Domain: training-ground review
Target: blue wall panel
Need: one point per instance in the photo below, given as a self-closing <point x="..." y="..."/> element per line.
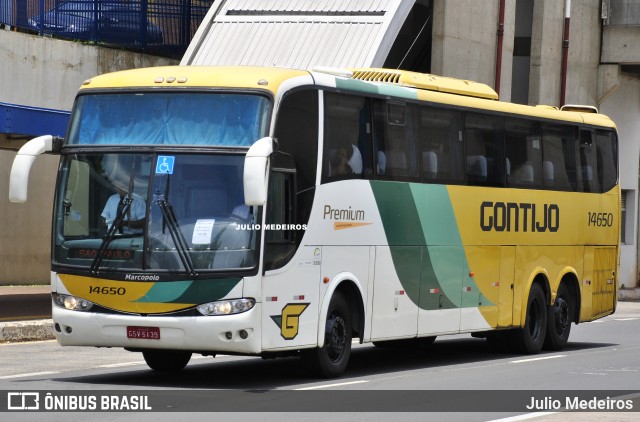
<point x="32" y="121"/>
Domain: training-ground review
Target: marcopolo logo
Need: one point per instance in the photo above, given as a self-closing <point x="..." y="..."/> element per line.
<point x="344" y="218"/>
<point x="141" y="277"/>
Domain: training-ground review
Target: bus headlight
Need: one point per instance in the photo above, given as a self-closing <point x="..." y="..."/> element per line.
<point x="71" y="303"/>
<point x="226" y="307"/>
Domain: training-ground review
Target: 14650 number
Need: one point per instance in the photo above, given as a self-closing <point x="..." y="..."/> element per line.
<point x="600" y="219"/>
<point x="120" y="291"/>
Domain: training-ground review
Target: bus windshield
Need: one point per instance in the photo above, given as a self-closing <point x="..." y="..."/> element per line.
<point x="169" y="118"/>
<point x="179" y="213"/>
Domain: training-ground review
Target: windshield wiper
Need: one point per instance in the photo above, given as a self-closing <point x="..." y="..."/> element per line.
<point x="176" y="234"/>
<point x="111" y="233"/>
<point x="121" y="211"/>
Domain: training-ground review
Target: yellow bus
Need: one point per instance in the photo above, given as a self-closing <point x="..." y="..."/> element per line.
<point x="279" y="212"/>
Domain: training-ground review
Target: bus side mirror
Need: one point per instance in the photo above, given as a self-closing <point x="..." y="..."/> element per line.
<point x="255" y="172"/>
<point x="19" y="179"/>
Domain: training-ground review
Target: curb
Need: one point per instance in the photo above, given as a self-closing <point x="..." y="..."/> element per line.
<point x="629" y="294"/>
<point x="20" y="331"/>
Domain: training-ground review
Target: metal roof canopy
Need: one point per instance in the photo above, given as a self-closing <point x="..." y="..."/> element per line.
<point x="19" y="123"/>
<point x="298" y="34"/>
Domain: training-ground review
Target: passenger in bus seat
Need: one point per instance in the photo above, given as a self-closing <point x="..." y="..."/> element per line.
<point x="339" y="163"/>
<point x="477" y="168"/>
<point x="430" y="164"/>
<point x="547" y="173"/>
<point x="346" y="162"/>
<point x="355" y="161"/>
<point x="381" y="163"/>
<point x="524" y="174"/>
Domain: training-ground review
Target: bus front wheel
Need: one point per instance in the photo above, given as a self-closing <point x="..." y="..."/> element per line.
<point x="330" y="360"/>
<point x="166" y="360"/>
<point x="530" y="339"/>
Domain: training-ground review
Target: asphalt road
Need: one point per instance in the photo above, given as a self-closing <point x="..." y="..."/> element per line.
<point x="602" y="357"/>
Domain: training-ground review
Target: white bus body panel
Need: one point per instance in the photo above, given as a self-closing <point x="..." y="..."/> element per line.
<point x="178" y="333"/>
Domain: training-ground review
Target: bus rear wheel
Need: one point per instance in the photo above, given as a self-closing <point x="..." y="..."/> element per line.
<point x="166" y="360"/>
<point x="530" y="339"/>
<point x="559" y="320"/>
<point x="330" y="360"/>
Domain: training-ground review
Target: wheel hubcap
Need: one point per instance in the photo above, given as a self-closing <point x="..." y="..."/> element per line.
<point x="336" y="336"/>
<point x="561" y="314"/>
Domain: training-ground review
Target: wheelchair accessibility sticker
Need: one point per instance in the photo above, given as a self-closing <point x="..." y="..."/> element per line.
<point x="165" y="164"/>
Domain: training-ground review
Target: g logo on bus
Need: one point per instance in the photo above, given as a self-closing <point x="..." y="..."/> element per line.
<point x="289" y="319"/>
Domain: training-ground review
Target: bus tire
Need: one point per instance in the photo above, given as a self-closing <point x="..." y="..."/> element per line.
<point x="530" y="339"/>
<point x="166" y="360"/>
<point x="559" y="320"/>
<point x="330" y="360"/>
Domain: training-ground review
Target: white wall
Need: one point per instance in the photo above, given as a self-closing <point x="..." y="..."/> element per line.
<point x="623" y="106"/>
<point x="43" y="72"/>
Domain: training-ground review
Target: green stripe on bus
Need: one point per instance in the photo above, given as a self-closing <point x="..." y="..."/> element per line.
<point x="202" y="291"/>
<point x="434" y="292"/>
<point x="407" y="244"/>
<point x="356" y="85"/>
<point x="380" y="89"/>
<point x="444" y="252"/>
<point x="398" y="212"/>
<point x="425" y="243"/>
<point x="436" y="214"/>
<point x="165" y="292"/>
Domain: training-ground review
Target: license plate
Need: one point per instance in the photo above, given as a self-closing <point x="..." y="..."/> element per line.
<point x="146" y="333"/>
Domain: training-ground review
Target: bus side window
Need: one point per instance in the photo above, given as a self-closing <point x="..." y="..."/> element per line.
<point x="440" y="145"/>
<point x="297" y="133"/>
<point x="607" y="150"/>
<point x="523" y="151"/>
<point x="558" y="140"/>
<point x="484" y="144"/>
<point x="588" y="169"/>
<point x="395" y="135"/>
<point x="280" y="243"/>
<point x="345" y="137"/>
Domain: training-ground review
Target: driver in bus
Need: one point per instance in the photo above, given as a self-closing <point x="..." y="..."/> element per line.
<point x="134" y="217"/>
<point x="346" y="161"/>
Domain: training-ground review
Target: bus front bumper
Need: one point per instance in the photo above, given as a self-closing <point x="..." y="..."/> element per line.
<point x="238" y="333"/>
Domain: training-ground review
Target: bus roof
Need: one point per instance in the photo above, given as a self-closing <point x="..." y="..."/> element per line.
<point x="387" y="82"/>
<point x="427" y="81"/>
<point x="466" y="93"/>
<point x="265" y="78"/>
